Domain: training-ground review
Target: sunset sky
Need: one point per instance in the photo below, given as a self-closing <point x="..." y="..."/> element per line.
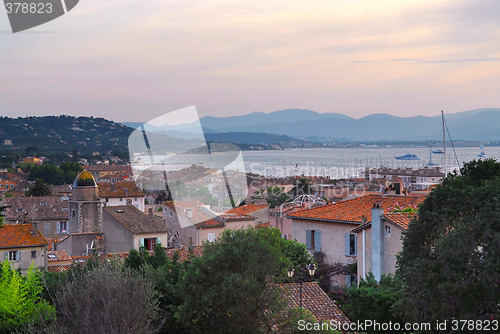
<point x="135" y="60"/>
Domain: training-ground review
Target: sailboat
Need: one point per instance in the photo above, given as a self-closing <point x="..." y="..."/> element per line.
<point x="431" y="163"/>
<point x="481" y="154"/>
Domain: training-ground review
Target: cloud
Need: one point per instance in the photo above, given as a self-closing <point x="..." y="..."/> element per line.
<point x="125" y="59"/>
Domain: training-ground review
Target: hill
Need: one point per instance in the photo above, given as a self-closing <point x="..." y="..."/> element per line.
<point x="479" y="124"/>
<point x="58" y="134"/>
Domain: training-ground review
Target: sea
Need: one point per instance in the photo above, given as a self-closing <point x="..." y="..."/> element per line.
<point x="338" y="163"/>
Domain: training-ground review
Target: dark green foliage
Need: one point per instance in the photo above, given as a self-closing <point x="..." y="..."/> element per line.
<point x="303" y="187"/>
<point x="276" y="196"/>
<point x="39" y="189"/>
<point x="53" y="135"/>
<point x="372" y="300"/>
<point x="451" y="256"/>
<point x="54" y="175"/>
<point x="230" y="288"/>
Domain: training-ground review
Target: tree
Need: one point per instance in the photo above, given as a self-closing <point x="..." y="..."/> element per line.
<point x="372" y="300"/>
<point x="20" y="302"/>
<point x="2" y="214"/>
<point x="276" y="196"/>
<point x="302" y="187"/>
<point x="106" y="298"/>
<point x="230" y="288"/>
<point x="450" y="261"/>
<point x="39" y="189"/>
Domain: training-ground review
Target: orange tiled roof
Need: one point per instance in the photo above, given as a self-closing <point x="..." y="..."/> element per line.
<point x="184" y="253"/>
<point x="401" y="219"/>
<point x="121" y="189"/>
<point x="315" y="300"/>
<point x="248" y="209"/>
<point x="13" y="236"/>
<point x="58" y="256"/>
<point x="108" y="168"/>
<point x="204" y="216"/>
<point x="61" y="268"/>
<point x="351" y="211"/>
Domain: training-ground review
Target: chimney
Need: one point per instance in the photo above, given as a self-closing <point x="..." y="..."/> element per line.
<point x="129" y="202"/>
<point x="177" y="240"/>
<point x="378" y="247"/>
<point x="363" y="219"/>
<point x="112" y="186"/>
<point x="54" y="245"/>
<point x="150" y="215"/>
<point x="34" y="229"/>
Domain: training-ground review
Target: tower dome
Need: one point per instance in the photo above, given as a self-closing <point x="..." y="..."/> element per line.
<point x="84" y="179"/>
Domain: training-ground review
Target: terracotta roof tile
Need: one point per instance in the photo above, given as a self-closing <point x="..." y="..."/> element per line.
<point x="108" y="168"/>
<point x="55" y="256"/>
<point x="248" y="209"/>
<point x="121" y="189"/>
<point x="184" y="253"/>
<point x="59" y="268"/>
<point x="206" y="217"/>
<point x="12" y="236"/>
<point x="401" y="219"/>
<point x="315" y="300"/>
<point x="353" y="210"/>
<point x="27" y="208"/>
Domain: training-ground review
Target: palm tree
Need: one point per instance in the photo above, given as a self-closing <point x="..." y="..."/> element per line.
<point x="39" y="189"/>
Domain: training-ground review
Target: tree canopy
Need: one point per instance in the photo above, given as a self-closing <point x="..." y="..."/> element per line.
<point x="231" y="287"/>
<point x="450" y="261"/>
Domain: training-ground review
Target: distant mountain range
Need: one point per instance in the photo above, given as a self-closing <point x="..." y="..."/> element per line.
<point x="480" y="124"/>
<point x="472" y="125"/>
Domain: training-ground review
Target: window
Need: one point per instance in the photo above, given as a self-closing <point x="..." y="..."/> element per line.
<point x="388" y="230"/>
<point x="313" y="240"/>
<point x="47" y="228"/>
<point x="149" y="243"/>
<point x="121" y="199"/>
<point x="350" y="281"/>
<point x="211" y="237"/>
<point x="13" y="256"/>
<point x="135" y="199"/>
<point x="33" y="254"/>
<point x="61" y="227"/>
<point x="351" y="244"/>
<point x="11" y="186"/>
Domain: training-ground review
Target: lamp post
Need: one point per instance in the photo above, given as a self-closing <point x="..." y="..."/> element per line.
<point x="311" y="268"/>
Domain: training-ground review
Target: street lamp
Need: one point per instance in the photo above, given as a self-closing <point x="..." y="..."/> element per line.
<point x="311" y="268"/>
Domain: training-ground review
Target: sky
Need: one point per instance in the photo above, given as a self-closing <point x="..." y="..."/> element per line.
<point x="135" y="60"/>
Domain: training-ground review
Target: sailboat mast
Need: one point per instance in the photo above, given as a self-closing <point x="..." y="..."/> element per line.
<point x="444" y="142"/>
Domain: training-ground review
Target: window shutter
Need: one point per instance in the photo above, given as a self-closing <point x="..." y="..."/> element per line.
<point x="317" y="241"/>
<point x="141" y="243"/>
<point x="19" y="256"/>
<point x="58" y="227"/>
<point x="7" y="256"/>
<point x="355" y="245"/>
<point x="158" y="240"/>
<point x="347" y="244"/>
<point x="308" y="240"/>
<point x="348" y="281"/>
